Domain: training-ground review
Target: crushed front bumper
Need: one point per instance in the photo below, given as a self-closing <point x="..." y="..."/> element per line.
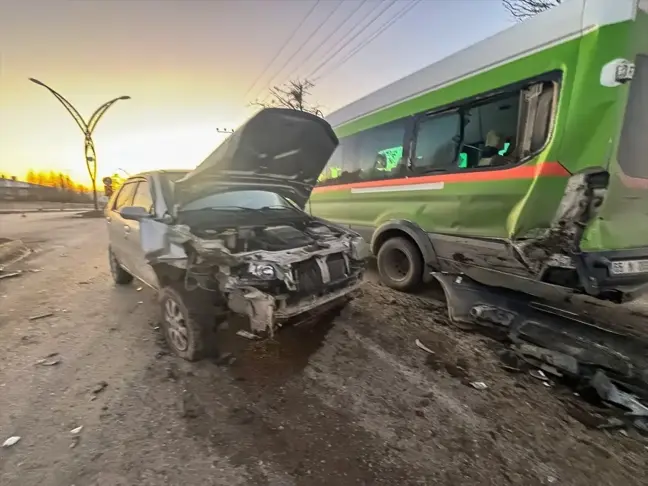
<point x="266" y="312"/>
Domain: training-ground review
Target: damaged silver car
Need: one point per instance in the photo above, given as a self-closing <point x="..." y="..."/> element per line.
<point x="232" y="236"/>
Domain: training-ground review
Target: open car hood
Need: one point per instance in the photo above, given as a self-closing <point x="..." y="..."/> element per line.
<point x="278" y="149"/>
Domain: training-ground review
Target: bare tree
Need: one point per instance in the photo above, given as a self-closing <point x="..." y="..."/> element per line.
<point x="292" y="95"/>
<point x="523" y="9"/>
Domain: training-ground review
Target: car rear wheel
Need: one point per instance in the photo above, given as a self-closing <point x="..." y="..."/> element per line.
<point x="119" y="275"/>
<point x="400" y="264"/>
<point x="189" y="332"/>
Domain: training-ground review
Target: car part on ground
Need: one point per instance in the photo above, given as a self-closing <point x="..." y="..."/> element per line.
<point x="558" y="342"/>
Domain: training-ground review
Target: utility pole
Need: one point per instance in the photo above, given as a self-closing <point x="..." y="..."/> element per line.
<point x="87" y="129"/>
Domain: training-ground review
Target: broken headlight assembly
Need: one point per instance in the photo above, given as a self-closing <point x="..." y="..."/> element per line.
<point x="262" y="270"/>
<point x="359" y="249"/>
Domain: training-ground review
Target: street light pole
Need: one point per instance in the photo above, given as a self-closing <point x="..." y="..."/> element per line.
<point x="87" y="129"/>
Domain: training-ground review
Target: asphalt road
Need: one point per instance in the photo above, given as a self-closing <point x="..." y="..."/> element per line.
<point x="347" y="402"/>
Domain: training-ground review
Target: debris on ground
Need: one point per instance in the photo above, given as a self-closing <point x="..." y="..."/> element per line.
<point x="98" y="388"/>
<point x="11" y="441"/>
<point x="557" y="342"/>
<point x="76" y="430"/>
<point x="246" y="334"/>
<point x="423" y="346"/>
<point x="226" y="359"/>
<point x="10" y="275"/>
<point x="478" y="385"/>
<point x="538" y="374"/>
<point x="41" y="316"/>
<point x="75" y="441"/>
<point x="51" y="359"/>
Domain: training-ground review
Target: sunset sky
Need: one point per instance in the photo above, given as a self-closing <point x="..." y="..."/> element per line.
<point x="187" y="66"/>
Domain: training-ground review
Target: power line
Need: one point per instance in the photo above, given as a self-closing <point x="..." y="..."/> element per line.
<point x="327" y="60"/>
<point x="329" y="37"/>
<point x="384" y="27"/>
<point x="321" y="24"/>
<point x="342" y="39"/>
<point x="281" y="49"/>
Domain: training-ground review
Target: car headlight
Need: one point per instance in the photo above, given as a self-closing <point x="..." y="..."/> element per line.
<point x="359" y="249"/>
<point x="262" y="270"/>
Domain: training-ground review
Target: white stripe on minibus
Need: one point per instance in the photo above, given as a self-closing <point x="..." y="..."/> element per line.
<point x="430" y="186"/>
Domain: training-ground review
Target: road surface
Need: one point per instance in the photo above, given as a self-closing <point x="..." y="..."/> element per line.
<point x="347" y="402"/>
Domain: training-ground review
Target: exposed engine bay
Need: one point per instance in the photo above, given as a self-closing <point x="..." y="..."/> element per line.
<point x="270" y="272"/>
<point x="271" y="238"/>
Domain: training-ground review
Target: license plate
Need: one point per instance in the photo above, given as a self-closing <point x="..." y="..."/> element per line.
<point x="628" y="267"/>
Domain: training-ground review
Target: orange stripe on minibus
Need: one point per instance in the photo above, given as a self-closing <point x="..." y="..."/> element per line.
<point x="544" y="169"/>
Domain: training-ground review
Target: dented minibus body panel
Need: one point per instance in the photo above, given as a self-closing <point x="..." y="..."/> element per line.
<point x="568" y="208"/>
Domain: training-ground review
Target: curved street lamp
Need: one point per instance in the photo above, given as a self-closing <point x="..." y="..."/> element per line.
<point x="87" y="129"/>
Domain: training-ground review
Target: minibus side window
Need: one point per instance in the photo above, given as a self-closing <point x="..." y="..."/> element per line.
<point x="373" y="154"/>
<point x="437" y="143"/>
<point x="484" y="134"/>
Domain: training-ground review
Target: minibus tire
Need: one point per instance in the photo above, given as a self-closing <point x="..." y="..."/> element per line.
<point x="400" y="264"/>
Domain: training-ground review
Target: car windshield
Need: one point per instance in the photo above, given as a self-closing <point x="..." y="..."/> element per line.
<point x="240" y="200"/>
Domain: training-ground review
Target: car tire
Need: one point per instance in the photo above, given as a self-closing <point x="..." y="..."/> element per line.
<point x="190" y="331"/>
<point x="400" y="264"/>
<point x="119" y="275"/>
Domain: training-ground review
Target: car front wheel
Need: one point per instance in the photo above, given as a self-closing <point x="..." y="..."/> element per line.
<point x="189" y="332"/>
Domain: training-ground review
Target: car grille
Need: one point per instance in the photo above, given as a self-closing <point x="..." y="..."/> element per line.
<point x="309" y="276"/>
<point x="337" y="267"/>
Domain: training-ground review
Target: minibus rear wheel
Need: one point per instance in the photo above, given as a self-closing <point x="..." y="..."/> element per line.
<point x="400" y="264"/>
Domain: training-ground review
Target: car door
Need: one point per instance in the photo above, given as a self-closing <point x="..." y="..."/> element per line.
<point x="142" y="270"/>
<point x="117" y="226"/>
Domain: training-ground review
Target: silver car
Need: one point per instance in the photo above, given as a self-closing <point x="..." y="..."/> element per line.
<point x="232" y="235"/>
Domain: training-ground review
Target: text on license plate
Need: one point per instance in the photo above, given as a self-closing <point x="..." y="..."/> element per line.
<point x="626" y="267"/>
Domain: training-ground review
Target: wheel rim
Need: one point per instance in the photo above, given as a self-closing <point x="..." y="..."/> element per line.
<point x="176" y="325"/>
<point x="397" y="265"/>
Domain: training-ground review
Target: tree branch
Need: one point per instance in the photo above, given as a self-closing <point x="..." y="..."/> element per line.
<point x="523" y="9"/>
<point x="292" y="95"/>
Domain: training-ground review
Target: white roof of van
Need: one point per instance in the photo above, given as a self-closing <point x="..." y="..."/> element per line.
<point x="567" y="21"/>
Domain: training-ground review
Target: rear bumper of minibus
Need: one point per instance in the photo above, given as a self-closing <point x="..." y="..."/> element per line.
<point x="619" y="275"/>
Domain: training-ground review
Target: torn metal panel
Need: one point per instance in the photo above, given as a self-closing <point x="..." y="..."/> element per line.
<point x="555" y="340"/>
<point x="556" y="360"/>
<point x="162" y="245"/>
<point x="580" y="203"/>
<point x="610" y="393"/>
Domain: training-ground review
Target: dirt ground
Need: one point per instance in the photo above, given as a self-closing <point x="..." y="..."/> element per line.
<point x="348" y="401"/>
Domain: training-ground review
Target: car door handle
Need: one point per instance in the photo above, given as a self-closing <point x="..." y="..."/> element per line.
<point x="126" y="229"/>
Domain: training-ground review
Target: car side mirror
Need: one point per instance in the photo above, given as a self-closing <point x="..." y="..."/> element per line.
<point x="134" y="213"/>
